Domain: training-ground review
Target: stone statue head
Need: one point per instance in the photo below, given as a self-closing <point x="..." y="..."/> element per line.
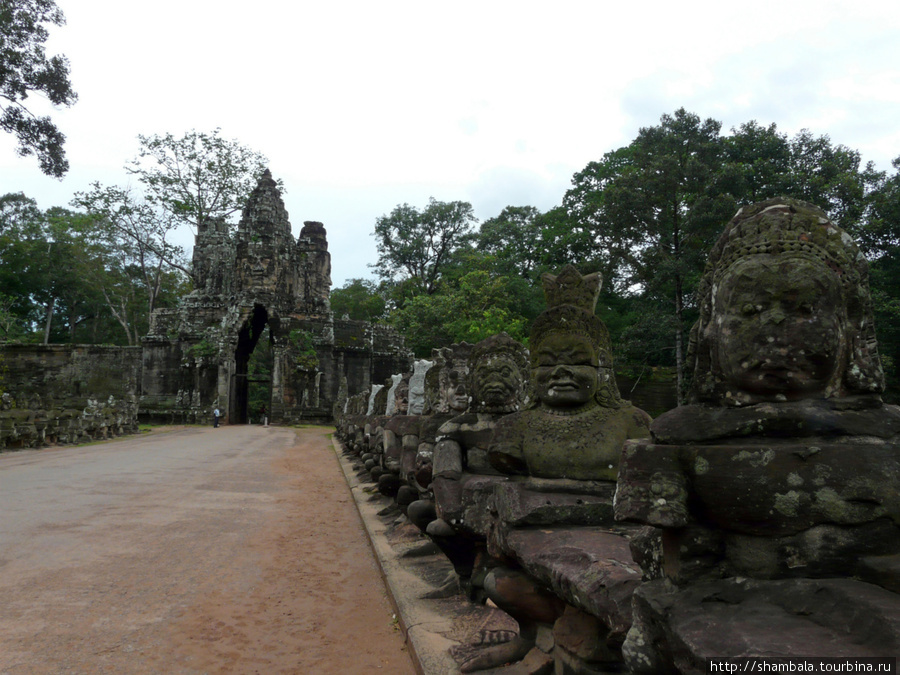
<point x="447" y="379"/>
<point x="571" y="358"/>
<point x="401" y="397"/>
<point x="455" y="395"/>
<point x="498" y="379"/>
<point x="379" y="401"/>
<point x="785" y="311"/>
<point x="417" y="386"/>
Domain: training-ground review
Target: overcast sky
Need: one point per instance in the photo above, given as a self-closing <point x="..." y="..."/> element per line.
<point x="361" y="106"/>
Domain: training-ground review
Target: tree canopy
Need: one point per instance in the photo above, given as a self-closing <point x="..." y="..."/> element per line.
<point x="416" y="247"/>
<point x="97" y="273"/>
<point x="68" y="278"/>
<point x="644" y="215"/>
<point x="198" y="176"/>
<point x="360" y="300"/>
<point x="25" y="68"/>
<point x="185" y="181"/>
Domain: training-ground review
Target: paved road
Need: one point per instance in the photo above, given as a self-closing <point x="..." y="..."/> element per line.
<point x="230" y="550"/>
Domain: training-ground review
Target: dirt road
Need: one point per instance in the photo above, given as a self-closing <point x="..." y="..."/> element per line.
<point x="230" y="550"/>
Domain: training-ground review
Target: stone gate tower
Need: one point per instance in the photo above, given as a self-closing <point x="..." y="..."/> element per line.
<point x="196" y="357"/>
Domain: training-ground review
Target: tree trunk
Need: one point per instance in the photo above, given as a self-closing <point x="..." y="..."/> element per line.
<point x="679" y="303"/>
<point x="48" y="320"/>
<point x="679" y="346"/>
<point x="121" y="316"/>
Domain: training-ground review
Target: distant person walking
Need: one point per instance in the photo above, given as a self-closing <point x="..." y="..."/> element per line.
<point x="215" y="418"/>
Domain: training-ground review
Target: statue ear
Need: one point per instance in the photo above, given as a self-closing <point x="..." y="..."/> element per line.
<point x="864" y="374"/>
<point x="701" y="362"/>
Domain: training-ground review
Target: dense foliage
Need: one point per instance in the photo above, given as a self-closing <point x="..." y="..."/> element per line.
<point x="198" y="176"/>
<point x="645" y="215"/>
<point x="25" y="69"/>
<point x="66" y="277"/>
<point x="416" y="247"/>
<point x="95" y="275"/>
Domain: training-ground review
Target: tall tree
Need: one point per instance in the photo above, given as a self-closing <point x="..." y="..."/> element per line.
<point x="133" y="224"/>
<point x="757" y="162"/>
<point x="476" y="305"/>
<point x="25" y="69"/>
<point x="69" y="276"/>
<point x="830" y="177"/>
<point x="654" y="208"/>
<point x="198" y="176"/>
<point x="511" y="237"/>
<point x="140" y="259"/>
<point x="416" y="247"/>
<point x="46" y="260"/>
<point x="20" y="226"/>
<point x="880" y="239"/>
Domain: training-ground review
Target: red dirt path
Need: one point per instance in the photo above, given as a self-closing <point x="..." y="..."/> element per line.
<point x="267" y="570"/>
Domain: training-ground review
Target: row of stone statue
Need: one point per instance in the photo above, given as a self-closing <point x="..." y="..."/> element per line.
<point x="762" y="519"/>
<point x="35" y="421"/>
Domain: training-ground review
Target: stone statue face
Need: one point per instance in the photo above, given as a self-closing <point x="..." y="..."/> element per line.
<point x="779" y="324"/>
<point x="566" y="373"/>
<point x="497" y="380"/>
<point x="455" y="393"/>
<point x="401" y="399"/>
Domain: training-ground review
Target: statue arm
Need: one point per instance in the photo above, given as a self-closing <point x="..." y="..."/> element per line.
<point x="505" y="452"/>
<point x="447" y="459"/>
<point x="447" y="470"/>
<point x="640" y="424"/>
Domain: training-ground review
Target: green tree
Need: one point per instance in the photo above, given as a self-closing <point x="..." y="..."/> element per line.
<point x="46" y="259"/>
<point x="647" y="214"/>
<point x="72" y="279"/>
<point x="654" y="209"/>
<point x="880" y="240"/>
<point x="359" y="299"/>
<point x="757" y="162"/>
<point x="20" y="220"/>
<point x="198" y="176"/>
<point x="511" y="237"/>
<point x="416" y="247"/>
<point x="563" y="240"/>
<point x="9" y="323"/>
<point x="73" y="258"/>
<point x="475" y="306"/>
<point x="476" y="298"/>
<point x="761" y="163"/>
<point x="26" y="69"/>
<point x="137" y="229"/>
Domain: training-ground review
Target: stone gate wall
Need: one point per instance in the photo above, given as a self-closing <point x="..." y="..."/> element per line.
<point x="67" y="393"/>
